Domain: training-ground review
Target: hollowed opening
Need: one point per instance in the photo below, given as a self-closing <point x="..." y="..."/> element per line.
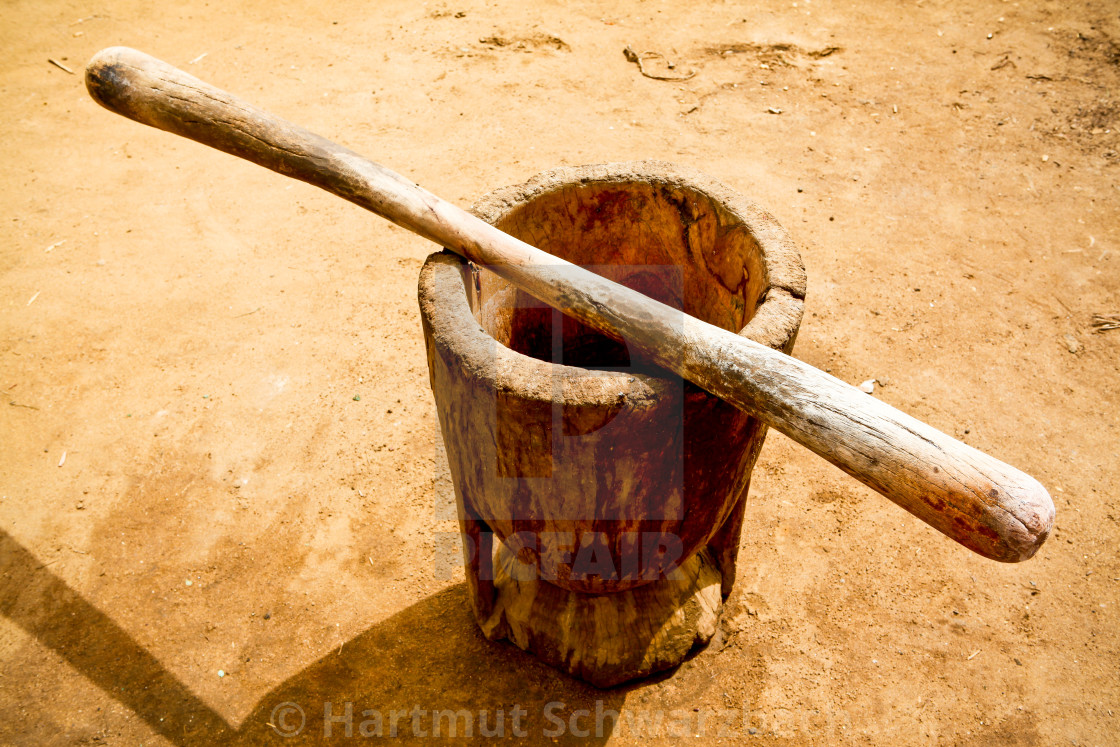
<point x="667" y="241"/>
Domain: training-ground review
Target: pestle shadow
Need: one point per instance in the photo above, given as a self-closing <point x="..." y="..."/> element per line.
<point x="428" y="666"/>
<point x="88" y="639"/>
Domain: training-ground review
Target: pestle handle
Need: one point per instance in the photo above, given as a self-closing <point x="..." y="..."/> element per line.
<point x="982" y="503"/>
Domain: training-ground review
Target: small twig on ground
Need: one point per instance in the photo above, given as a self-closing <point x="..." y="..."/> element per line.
<point x="1105" y="322"/>
<point x="59" y="65"/>
<point x="639" y="60"/>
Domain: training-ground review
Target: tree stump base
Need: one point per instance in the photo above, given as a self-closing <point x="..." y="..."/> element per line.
<point x="606" y="639"/>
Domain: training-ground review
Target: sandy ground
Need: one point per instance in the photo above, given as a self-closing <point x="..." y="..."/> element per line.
<point x="220" y="452"/>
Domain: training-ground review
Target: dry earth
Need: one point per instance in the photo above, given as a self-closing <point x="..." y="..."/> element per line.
<point x="219" y="450"/>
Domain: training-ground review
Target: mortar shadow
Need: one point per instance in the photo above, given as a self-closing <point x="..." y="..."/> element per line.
<point x="428" y="658"/>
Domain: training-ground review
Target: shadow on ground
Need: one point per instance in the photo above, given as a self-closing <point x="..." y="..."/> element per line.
<point x="427" y="669"/>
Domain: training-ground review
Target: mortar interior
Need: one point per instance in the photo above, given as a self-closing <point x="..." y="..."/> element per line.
<point x="668" y="241"/>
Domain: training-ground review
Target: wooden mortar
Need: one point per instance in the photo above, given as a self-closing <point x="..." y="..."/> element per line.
<point x="603" y="481"/>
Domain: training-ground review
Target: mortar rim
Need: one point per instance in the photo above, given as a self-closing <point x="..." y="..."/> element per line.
<point x="775" y="322"/>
